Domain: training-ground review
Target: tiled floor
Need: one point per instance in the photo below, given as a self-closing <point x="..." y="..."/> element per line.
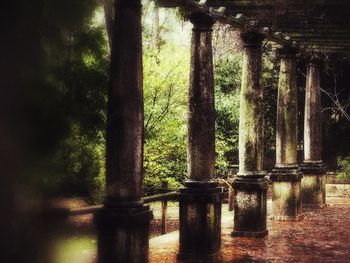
<point x="322" y="236"/>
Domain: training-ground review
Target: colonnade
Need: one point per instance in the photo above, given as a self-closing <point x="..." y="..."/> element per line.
<point x="123" y="223"/>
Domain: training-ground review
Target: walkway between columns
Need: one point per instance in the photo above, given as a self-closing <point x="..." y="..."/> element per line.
<point x="322" y="236"/>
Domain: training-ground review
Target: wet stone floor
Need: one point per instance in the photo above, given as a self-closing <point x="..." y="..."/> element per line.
<point x="323" y="235"/>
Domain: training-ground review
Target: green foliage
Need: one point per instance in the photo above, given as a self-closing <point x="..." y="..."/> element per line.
<point x="227" y="88"/>
<point x="227" y="96"/>
<point x="165" y="97"/>
<point x="77" y="167"/>
<point x="165" y="157"/>
<point x="70" y="106"/>
<point x="269" y="80"/>
<point x="165" y="86"/>
<point x="166" y="76"/>
<point x="343" y="167"/>
<point x="76" y="57"/>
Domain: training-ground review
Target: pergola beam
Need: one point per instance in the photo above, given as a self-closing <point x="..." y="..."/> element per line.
<point x="325" y="41"/>
<point x="191" y="5"/>
<point x="319" y="36"/>
<point x="312" y="24"/>
<point x="258" y="4"/>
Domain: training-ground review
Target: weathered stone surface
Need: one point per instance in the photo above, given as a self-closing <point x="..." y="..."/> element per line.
<point x="201" y="109"/>
<point x="123" y="234"/>
<point x="250" y="187"/>
<point x="200" y="224"/>
<point x="338" y="190"/>
<point x="287" y="111"/>
<point x="313" y="116"/>
<point x="314" y="170"/>
<point x="313" y="184"/>
<point x="251" y="106"/>
<point x="286" y="193"/>
<point x="123" y="224"/>
<point x="124" y="142"/>
<point x="313" y="190"/>
<point x="250" y="198"/>
<point x="286" y="176"/>
<point x="200" y="200"/>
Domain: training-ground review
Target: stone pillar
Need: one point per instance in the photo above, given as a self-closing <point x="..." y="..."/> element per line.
<point x="123" y="223"/>
<point x="313" y="191"/>
<point x="200" y="199"/>
<point x="286" y="176"/>
<point x="250" y="186"/>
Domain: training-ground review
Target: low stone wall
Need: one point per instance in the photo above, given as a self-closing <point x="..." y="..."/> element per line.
<point x="338" y="188"/>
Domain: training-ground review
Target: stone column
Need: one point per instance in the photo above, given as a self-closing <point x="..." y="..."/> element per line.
<point x="313" y="191"/>
<point x="200" y="199"/>
<point x="250" y="186"/>
<point x="123" y="224"/>
<point x="286" y="176"/>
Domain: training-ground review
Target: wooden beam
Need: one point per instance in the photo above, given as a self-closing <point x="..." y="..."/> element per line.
<point x="314" y="32"/>
<point x="329" y="35"/>
<point x="327" y="46"/>
<point x="345" y="51"/>
<point x="253" y="5"/>
<point x="323" y="41"/>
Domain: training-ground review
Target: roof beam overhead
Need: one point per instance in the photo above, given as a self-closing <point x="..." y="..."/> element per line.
<point x="300" y="23"/>
<point x="260" y="4"/>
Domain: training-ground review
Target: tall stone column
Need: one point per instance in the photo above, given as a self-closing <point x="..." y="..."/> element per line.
<point x="286" y="176"/>
<point x="123" y="224"/>
<point x="313" y="192"/>
<point x="200" y="199"/>
<point x="250" y="186"/>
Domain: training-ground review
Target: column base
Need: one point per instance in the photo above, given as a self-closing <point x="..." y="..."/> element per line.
<point x="314" y="206"/>
<point x="286" y="195"/>
<point x="190" y="258"/>
<point x="287" y="218"/>
<point x="123" y="233"/>
<point x="250" y="209"/>
<point x="249" y="234"/>
<point x="313" y="184"/>
<point x="200" y="221"/>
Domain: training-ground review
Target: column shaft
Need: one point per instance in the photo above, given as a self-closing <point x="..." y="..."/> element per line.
<point x="313" y="183"/>
<point x="123" y="224"/>
<point x="251" y="186"/>
<point x="125" y="106"/>
<point x="251" y="108"/>
<point x="287" y="112"/>
<point x="286" y="175"/>
<point x="313" y="117"/>
<point x="201" y="109"/>
<point x="200" y="199"/>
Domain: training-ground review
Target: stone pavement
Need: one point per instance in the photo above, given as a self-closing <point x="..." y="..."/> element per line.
<point x="323" y="235"/>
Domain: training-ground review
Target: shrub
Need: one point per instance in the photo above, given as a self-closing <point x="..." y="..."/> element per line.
<point x="343" y="167"/>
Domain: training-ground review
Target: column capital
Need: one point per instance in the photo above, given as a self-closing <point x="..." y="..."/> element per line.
<point x="314" y="60"/>
<point x="201" y="21"/>
<point x="252" y="39"/>
<point x="286" y="52"/>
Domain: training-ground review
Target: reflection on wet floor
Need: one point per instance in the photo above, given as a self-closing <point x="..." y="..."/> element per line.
<point x="323" y="235"/>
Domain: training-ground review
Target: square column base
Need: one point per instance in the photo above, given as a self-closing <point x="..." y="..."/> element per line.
<point x="200" y="222"/>
<point x="286" y="194"/>
<point x="313" y="185"/>
<point x="287" y="218"/>
<point x="123" y="234"/>
<point x="249" y="234"/>
<point x="314" y="206"/>
<point x="191" y="258"/>
<point x="250" y="208"/>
